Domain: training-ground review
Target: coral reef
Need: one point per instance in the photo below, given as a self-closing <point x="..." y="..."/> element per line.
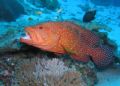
<point x="7" y="64"/>
<point x="25" y="66"/>
<point x="53" y="67"/>
<point x="38" y="69"/>
<point x="5" y="74"/>
<point x="51" y="72"/>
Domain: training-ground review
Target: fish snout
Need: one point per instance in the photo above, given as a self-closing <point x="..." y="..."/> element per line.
<point x="28" y="29"/>
<point x="26" y="38"/>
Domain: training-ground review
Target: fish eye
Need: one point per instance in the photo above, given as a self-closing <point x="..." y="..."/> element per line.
<point x="40" y="27"/>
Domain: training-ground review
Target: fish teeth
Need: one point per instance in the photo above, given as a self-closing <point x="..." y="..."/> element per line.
<point x="26" y="37"/>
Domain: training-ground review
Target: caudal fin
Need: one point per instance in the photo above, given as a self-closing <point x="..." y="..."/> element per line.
<point x="102" y="56"/>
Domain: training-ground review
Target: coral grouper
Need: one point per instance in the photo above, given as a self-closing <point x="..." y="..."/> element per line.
<point x="67" y="37"/>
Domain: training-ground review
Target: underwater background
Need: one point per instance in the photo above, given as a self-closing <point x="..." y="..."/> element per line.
<point x="24" y="64"/>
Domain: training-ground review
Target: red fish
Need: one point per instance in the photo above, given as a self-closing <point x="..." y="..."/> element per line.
<point x="67" y="37"/>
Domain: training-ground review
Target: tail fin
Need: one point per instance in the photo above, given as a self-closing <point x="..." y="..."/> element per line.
<point x="102" y="56"/>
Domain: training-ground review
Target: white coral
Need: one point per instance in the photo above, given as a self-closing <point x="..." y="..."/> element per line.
<point x="54" y="67"/>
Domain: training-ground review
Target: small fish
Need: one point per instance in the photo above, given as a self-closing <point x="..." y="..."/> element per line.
<point x="38" y="12"/>
<point x="59" y="10"/>
<point x="89" y="16"/>
<point x="67" y="37"/>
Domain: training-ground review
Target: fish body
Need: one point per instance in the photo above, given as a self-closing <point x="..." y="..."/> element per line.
<point x="67" y="37"/>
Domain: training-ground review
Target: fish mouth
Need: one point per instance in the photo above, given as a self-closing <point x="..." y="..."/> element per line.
<point x="27" y="34"/>
<point x="31" y="35"/>
<point x="26" y="37"/>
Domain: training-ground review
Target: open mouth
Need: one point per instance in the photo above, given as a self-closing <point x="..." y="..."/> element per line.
<point x="27" y="36"/>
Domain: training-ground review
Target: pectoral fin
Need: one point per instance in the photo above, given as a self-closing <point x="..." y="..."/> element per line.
<point x="81" y="57"/>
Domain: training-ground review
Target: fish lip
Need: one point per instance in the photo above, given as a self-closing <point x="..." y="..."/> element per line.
<point x="27" y="36"/>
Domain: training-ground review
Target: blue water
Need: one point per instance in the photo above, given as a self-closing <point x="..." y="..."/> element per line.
<point x="15" y="15"/>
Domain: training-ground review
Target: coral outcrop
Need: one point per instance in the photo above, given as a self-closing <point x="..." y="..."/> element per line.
<point x="52" y="72"/>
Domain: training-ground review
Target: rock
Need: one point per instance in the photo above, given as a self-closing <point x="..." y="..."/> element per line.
<point x="10" y="10"/>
